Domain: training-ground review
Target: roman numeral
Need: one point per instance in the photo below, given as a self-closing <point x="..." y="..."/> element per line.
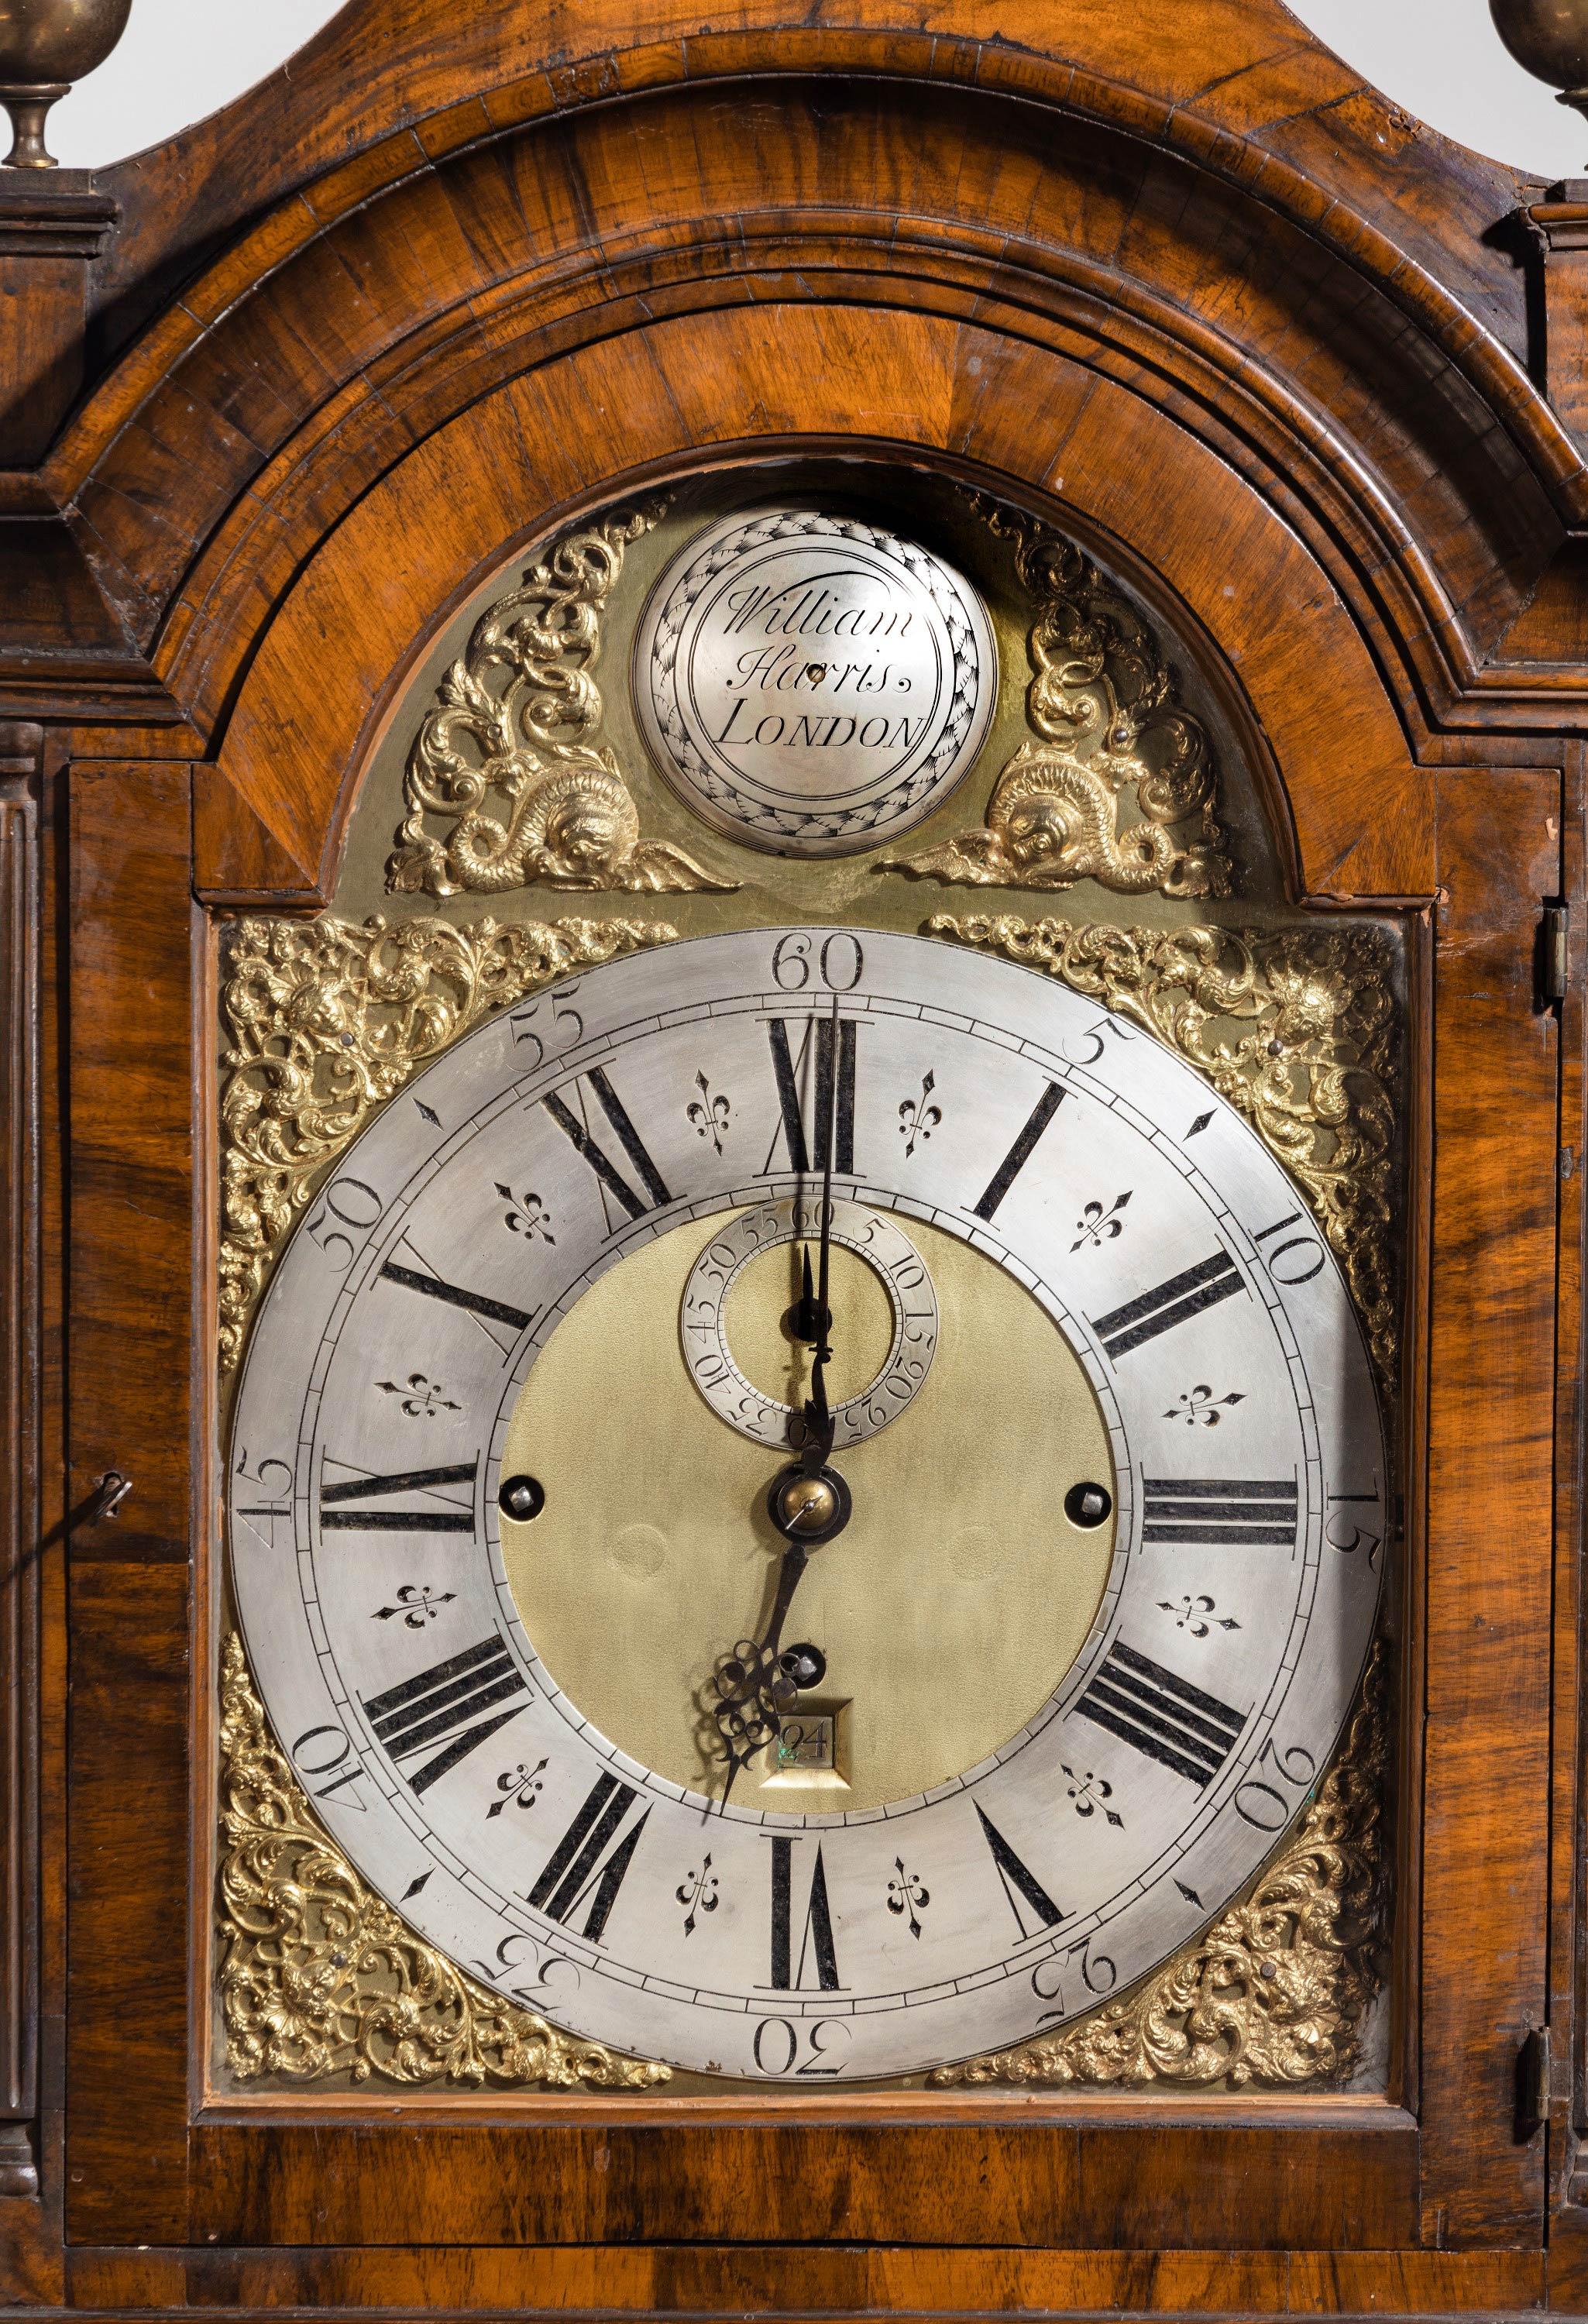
<point x="575" y="1128"/>
<point x="1021" y="1884"/>
<point x="333" y="1515"/>
<point x="816" y="1939"/>
<point x="436" y="1707"/>
<point x="1232" y="1514"/>
<point x="789" y="1066"/>
<point x="1167" y="1718"/>
<point x="1174" y="1301"/>
<point x="484" y="1310"/>
<point x="1021" y="1151"/>
<point x="575" y="1868"/>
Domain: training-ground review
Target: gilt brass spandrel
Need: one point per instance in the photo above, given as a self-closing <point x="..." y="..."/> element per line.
<point x="506" y="784"/>
<point x="323" y="1022"/>
<point x="320" y="1980"/>
<point x="1118" y="783"/>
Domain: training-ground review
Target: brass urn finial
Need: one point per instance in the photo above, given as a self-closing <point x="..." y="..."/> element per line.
<point x="46" y="45"/>
<point x="1549" y="39"/>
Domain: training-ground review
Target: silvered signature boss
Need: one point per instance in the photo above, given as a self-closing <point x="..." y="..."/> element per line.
<point x="812" y="683"/>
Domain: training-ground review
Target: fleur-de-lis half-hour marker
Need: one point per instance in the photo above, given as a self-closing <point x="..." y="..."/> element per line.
<point x="906" y="1895"/>
<point x="1097" y="1226"/>
<point x="420" y="1398"/>
<point x="519" y="1787"/>
<point x="1090" y="1793"/>
<point x="416" y="1605"/>
<point x="917" y="1119"/>
<point x="1198" y="1615"/>
<point x="710" y="1117"/>
<point x="1199" y="1405"/>
<point x="526" y="1214"/>
<point x="697" y="1892"/>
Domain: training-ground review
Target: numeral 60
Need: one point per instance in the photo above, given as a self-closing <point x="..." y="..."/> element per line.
<point x="840" y="964"/>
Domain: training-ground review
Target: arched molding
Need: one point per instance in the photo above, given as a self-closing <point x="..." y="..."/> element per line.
<point x="316" y="353"/>
<point x="375" y="96"/>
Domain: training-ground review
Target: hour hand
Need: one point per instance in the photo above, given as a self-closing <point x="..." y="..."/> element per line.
<point x="809" y="1320"/>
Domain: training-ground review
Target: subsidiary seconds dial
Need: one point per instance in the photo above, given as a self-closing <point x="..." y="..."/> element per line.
<point x="1090" y="1395"/>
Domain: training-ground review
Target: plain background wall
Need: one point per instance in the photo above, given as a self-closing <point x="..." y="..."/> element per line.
<point x="1441" y="59"/>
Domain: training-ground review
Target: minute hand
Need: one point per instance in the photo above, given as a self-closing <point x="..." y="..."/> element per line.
<point x="818" y="1417"/>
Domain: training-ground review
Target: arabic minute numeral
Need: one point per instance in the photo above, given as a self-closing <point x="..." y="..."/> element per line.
<point x="1303" y="1254"/>
<point x="1260" y="1803"/>
<point x="776" y="2045"/>
<point x="534" y="1974"/>
<point x="346" y="1203"/>
<point x="1098" y="1033"/>
<point x="1363" y="1536"/>
<point x="272" y="1479"/>
<point x="840" y="964"/>
<point x="549" y="1026"/>
<point x="1099" y="1973"/>
<point x="325" y="1751"/>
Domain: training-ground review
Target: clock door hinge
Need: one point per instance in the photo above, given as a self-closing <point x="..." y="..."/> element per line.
<point x="1533" y="2083"/>
<point x="1553" y="957"/>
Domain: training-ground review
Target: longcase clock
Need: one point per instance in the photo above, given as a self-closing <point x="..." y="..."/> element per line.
<point x="794" y="1127"/>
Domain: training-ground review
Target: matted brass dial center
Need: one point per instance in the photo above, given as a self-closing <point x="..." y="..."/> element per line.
<point x="659" y="1522"/>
